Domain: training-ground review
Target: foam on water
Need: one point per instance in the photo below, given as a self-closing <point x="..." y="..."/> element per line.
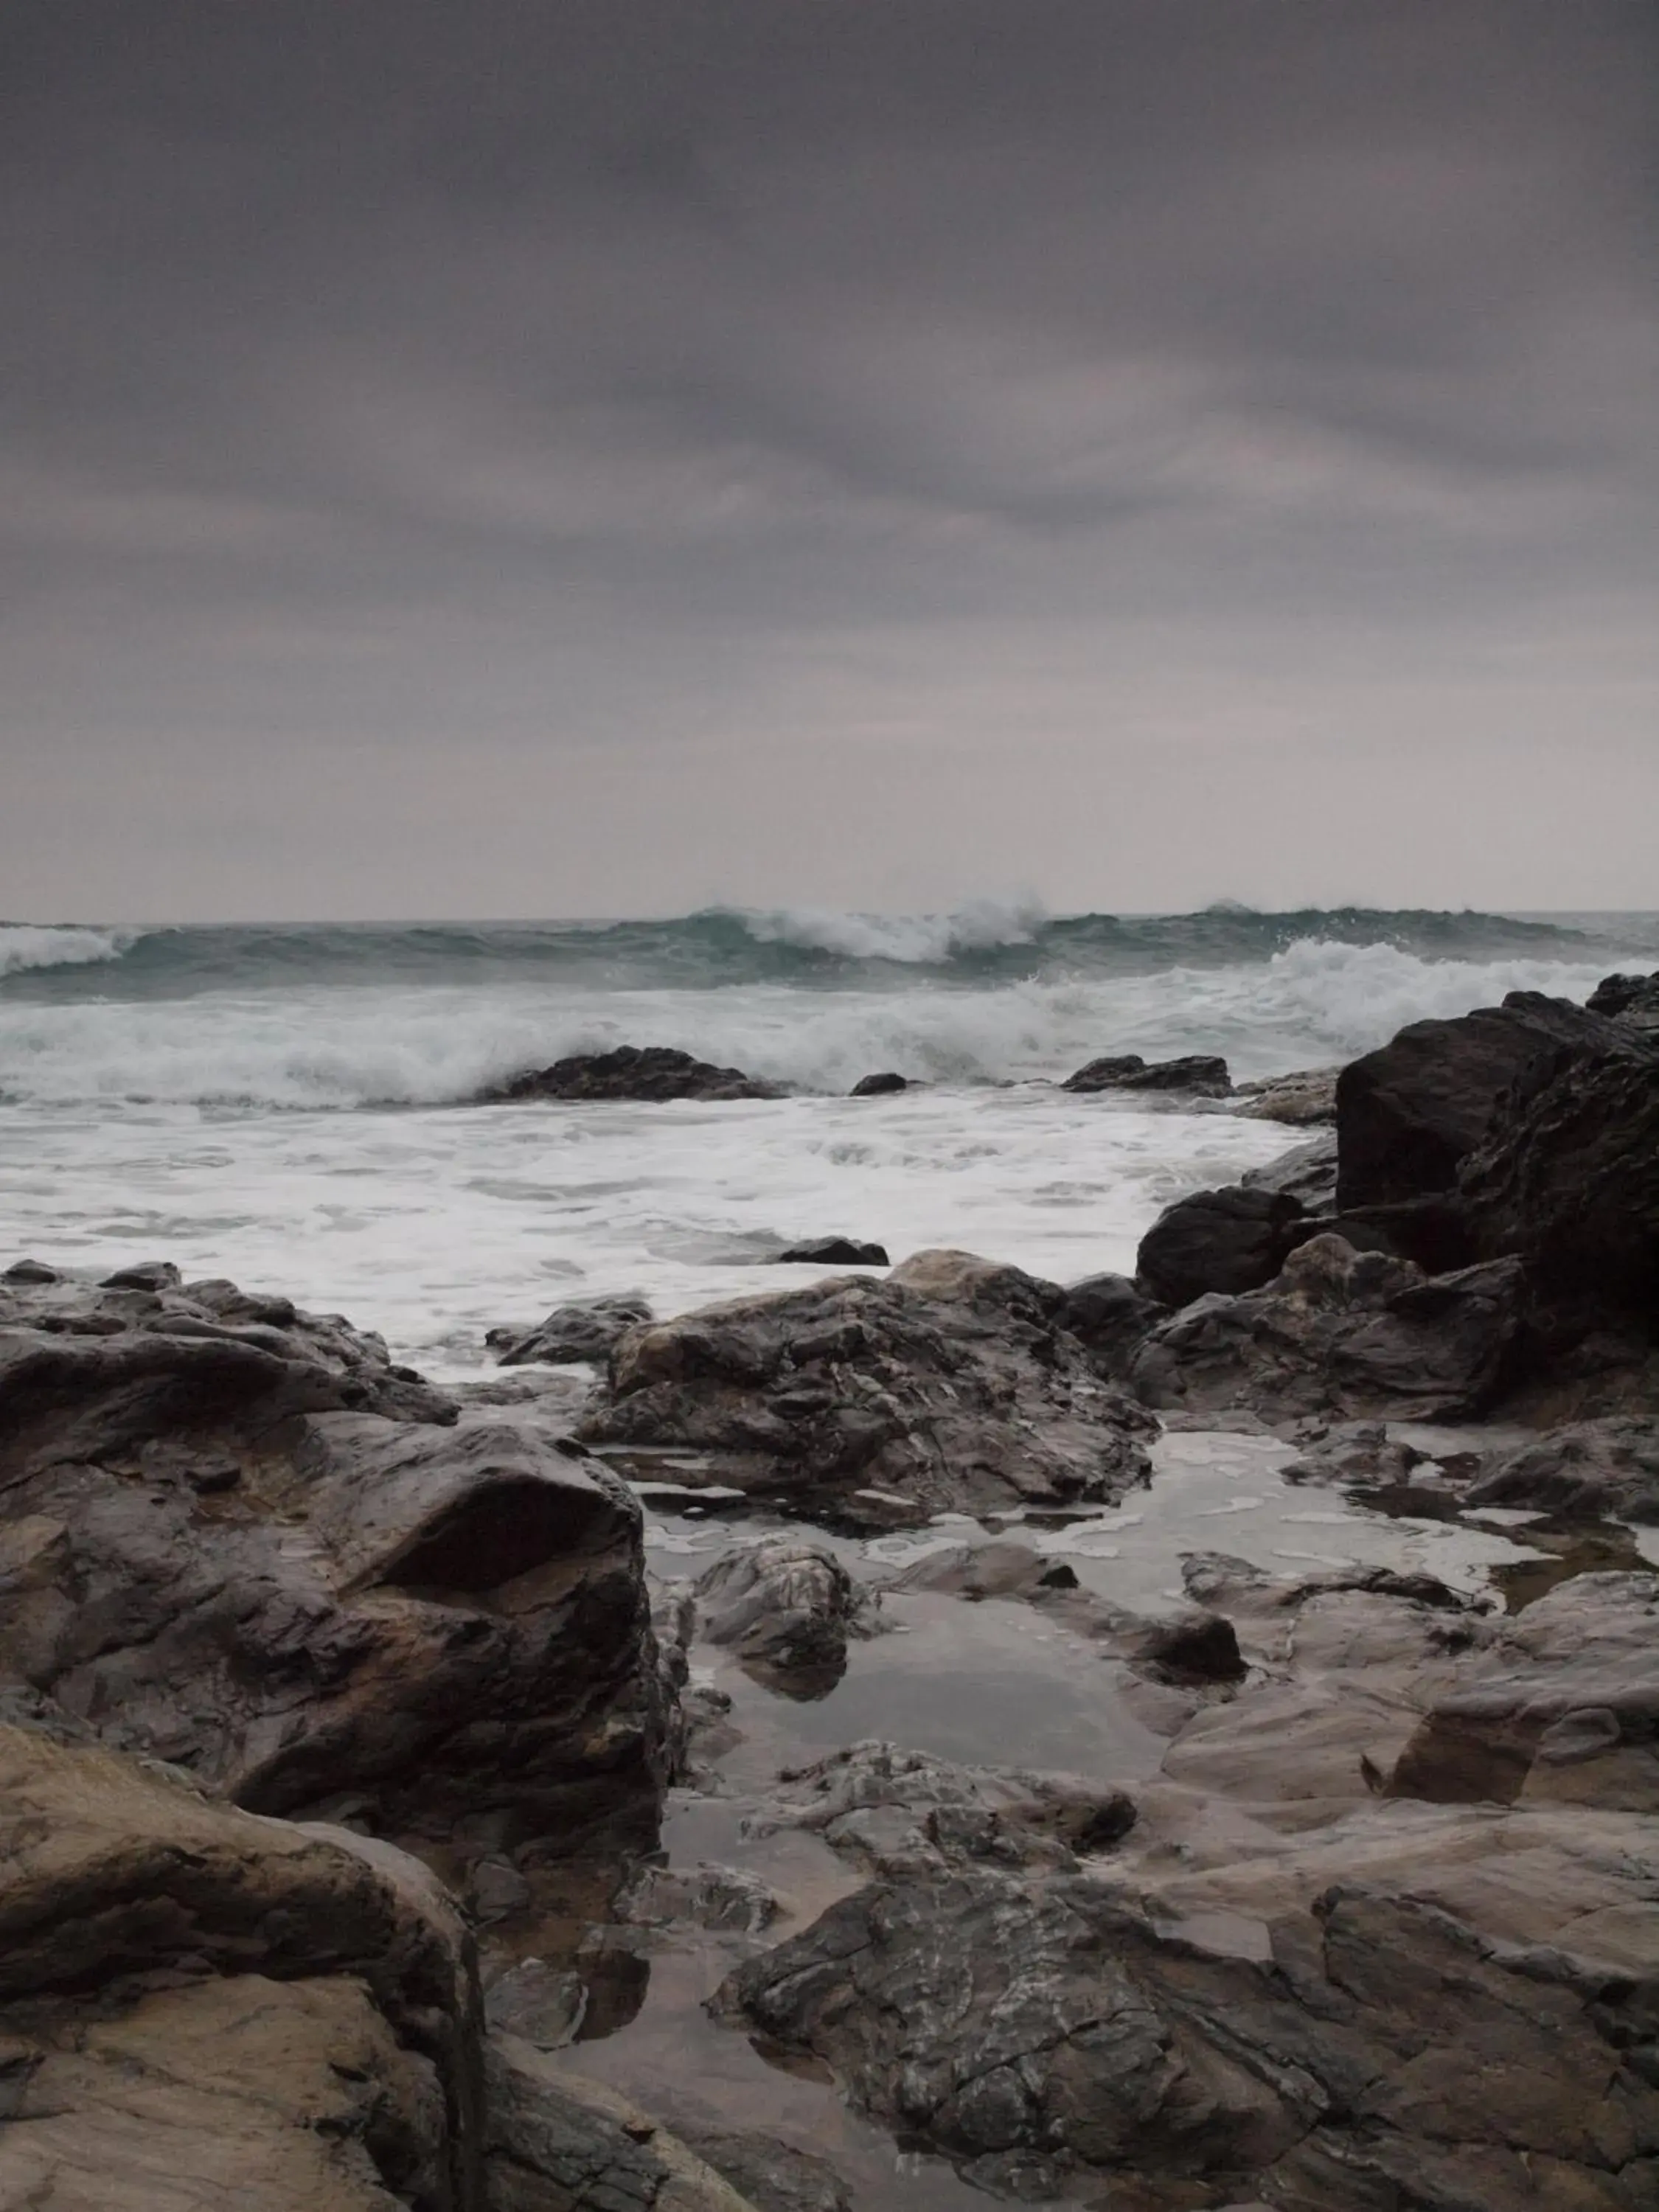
<point x="31" y="946"/>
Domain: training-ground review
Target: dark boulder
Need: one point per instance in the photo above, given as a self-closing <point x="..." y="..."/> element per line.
<point x="1229" y="1240"/>
<point x="832" y="1252"/>
<point x="1307" y="1173"/>
<point x="653" y="1073"/>
<point x="583" y="1330"/>
<point x="879" y="1086"/>
<point x="1409" y="1114"/>
<point x="1567" y="1175"/>
<point x="1632" y="1000"/>
<point x="1341" y="1332"/>
<point x="948" y="1386"/>
<point x="1109" y="1315"/>
<point x="1199" y="1073"/>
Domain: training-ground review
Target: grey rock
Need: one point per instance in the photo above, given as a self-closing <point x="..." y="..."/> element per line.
<point x="30" y="1271"/>
<point x="832" y="1252"/>
<point x="774" y="2176"/>
<point x="652" y="1072"/>
<point x="1341" y="1332"/>
<point x="1597" y="1469"/>
<point x="879" y="1086"/>
<point x="948" y="1386"/>
<point x="1108" y="1315"/>
<point x="544" y="2004"/>
<point x="709" y="1897"/>
<point x="583" y="1329"/>
<point x="1229" y="1240"/>
<point x="1201" y="1074"/>
<point x="238" y="1539"/>
<point x="1306" y="1173"/>
<point x="1307" y="1097"/>
<point x="786" y="1607"/>
<point x="1633" y="1000"/>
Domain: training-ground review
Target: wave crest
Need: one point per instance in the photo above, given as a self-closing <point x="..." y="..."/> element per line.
<point x="909" y="940"/>
<point x="27" y="945"/>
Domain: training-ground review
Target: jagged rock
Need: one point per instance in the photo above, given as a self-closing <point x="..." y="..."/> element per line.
<point x="1109" y="1315"/>
<point x="1632" y="1000"/>
<point x="1229" y="1240"/>
<point x="212" y="1560"/>
<point x="653" y="1073"/>
<point x="896" y="1813"/>
<point x="774" y="2176"/>
<point x="1567" y="1175"/>
<point x="1199" y="1073"/>
<point x="879" y="1086"/>
<point x="1341" y="1332"/>
<point x="1409" y="1114"/>
<point x="1307" y="1173"/>
<point x="833" y="1252"/>
<point x="1309" y="1095"/>
<point x="1563" y="1704"/>
<point x="1416" y="2008"/>
<point x="713" y="1897"/>
<point x="787" y="1607"/>
<point x="1602" y="1470"/>
<point x="558" y="2144"/>
<point x="583" y="1330"/>
<point x="948" y="1386"/>
<point x="198" y="2008"/>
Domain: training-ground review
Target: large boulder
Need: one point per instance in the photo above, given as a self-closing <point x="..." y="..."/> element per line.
<point x="950" y="1385"/>
<point x="581" y="1331"/>
<point x="1410" y="1113"/>
<point x="223" y="1545"/>
<point x="1567" y="1175"/>
<point x="199" y="2007"/>
<point x="1341" y="1332"/>
<point x="1594" y="1470"/>
<point x="1415" y="2007"/>
<point x="786" y="1607"/>
<point x="1632" y="1000"/>
<point x="1229" y="1240"/>
<point x="654" y="1072"/>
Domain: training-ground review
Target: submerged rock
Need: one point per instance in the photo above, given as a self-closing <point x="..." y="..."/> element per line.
<point x="1229" y="1240"/>
<point x="950" y="1385"/>
<point x="1202" y="1074"/>
<point x="833" y="1252"/>
<point x="787" y="1607"/>
<point x="1341" y="1332"/>
<point x="582" y="1330"/>
<point x="879" y="1086"/>
<point x="652" y="1072"/>
<point x="238" y="1539"/>
<point x="1409" y="1114"/>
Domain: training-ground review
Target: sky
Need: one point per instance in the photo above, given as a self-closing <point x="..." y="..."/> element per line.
<point x="594" y="457"/>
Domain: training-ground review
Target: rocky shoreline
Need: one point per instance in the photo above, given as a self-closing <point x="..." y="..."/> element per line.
<point x="385" y="1824"/>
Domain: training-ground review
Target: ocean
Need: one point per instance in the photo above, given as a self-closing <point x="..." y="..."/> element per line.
<point x="286" y="1105"/>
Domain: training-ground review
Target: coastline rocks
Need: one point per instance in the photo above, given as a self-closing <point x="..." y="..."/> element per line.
<point x="1307" y="1097"/>
<point x="583" y="1330"/>
<point x="439" y="1627"/>
<point x="786" y="1608"/>
<point x="1202" y="1074"/>
<point x="949" y="1386"/>
<point x="1229" y="1240"/>
<point x="1109" y="1315"/>
<point x="1568" y="1176"/>
<point x="200" y="2007"/>
<point x="833" y="1252"/>
<point x="1340" y="1332"/>
<point x="879" y="1086"/>
<point x="1306" y="1173"/>
<point x="652" y="1072"/>
<point x="1416" y="2008"/>
<point x="1409" y="1114"/>
<point x="1597" y="1470"/>
<point x="1632" y="1000"/>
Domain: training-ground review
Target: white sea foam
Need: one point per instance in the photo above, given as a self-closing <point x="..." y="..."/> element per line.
<point x="35" y="945"/>
<point x="315" y="1046"/>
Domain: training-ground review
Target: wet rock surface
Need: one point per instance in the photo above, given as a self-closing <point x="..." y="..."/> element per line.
<point x="787" y="1608"/>
<point x="949" y="1386"/>
<point x="1202" y="1074"/>
<point x="833" y="1252"/>
<point x="882" y="1085"/>
<point x="654" y="1074"/>
<point x="1307" y="1173"/>
<point x="237" y="1537"/>
<point x="1341" y="1332"/>
<point x="581" y="1331"/>
<point x="1305" y="1098"/>
<point x="1229" y="1240"/>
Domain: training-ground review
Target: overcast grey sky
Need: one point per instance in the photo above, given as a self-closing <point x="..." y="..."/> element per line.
<point x="535" y="457"/>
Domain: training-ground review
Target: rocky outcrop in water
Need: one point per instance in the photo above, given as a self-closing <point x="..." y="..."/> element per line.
<point x="949" y="1386"/>
<point x="1201" y="1074"/>
<point x="654" y="1072"/>
<point x="1341" y="1332"/>
<point x="1633" y="1000"/>
<point x="884" y="1085"/>
<point x="833" y="1252"/>
<point x="236" y="1537"/>
<point x="786" y="1608"/>
<point x="1301" y="1099"/>
<point x="578" y="1333"/>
